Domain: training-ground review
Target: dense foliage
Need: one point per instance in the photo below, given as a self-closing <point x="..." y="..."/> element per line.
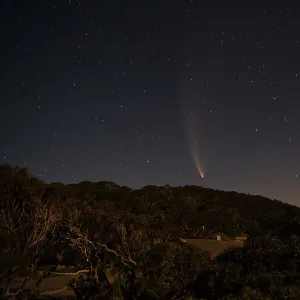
<point x="123" y="240"/>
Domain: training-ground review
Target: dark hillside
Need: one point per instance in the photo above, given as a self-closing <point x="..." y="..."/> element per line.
<point x="188" y="206"/>
<point x="191" y="206"/>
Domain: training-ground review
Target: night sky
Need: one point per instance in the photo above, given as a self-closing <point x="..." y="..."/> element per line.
<point x="154" y="92"/>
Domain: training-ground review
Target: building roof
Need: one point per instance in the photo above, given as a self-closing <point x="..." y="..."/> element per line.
<point x="214" y="247"/>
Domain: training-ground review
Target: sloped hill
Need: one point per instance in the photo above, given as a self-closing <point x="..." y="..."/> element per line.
<point x="183" y="210"/>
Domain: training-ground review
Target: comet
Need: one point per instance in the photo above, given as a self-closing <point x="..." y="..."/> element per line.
<point x="192" y="123"/>
<point x="193" y="136"/>
<point x="194" y="149"/>
<point x="197" y="164"/>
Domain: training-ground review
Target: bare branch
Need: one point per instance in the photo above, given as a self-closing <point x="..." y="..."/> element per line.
<point x="26" y="223"/>
<point x="81" y="241"/>
<point x="52" y="292"/>
<point x="70" y="274"/>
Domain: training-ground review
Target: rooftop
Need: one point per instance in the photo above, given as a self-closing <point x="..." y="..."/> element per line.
<point x="214" y="247"/>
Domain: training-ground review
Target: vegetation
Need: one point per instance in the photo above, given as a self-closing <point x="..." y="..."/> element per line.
<point x="119" y="242"/>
